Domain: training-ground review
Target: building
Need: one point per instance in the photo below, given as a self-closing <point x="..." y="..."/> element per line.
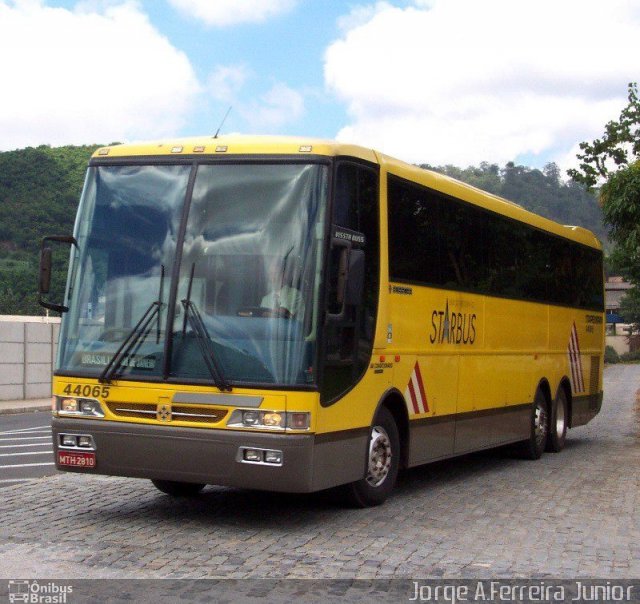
<point x="616" y="289"/>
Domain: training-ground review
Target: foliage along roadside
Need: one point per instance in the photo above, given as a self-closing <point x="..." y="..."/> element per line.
<point x="39" y="193"/>
<point x="614" y="162"/>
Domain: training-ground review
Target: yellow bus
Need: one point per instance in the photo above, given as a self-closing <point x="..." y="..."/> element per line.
<point x="294" y="315"/>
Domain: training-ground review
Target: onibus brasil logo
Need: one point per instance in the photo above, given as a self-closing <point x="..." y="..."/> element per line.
<point x="36" y="592"/>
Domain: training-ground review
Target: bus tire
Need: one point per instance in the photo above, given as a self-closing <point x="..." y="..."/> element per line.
<point x="382" y="463"/>
<point x="558" y="423"/>
<point x="178" y="489"/>
<point x="534" y="446"/>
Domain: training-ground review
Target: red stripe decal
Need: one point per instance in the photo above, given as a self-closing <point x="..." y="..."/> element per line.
<point x="414" y="401"/>
<point x="421" y="387"/>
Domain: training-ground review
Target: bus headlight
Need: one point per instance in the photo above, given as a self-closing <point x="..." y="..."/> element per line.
<point x="88" y="407"/>
<point x="250" y="418"/>
<point x="270" y="420"/>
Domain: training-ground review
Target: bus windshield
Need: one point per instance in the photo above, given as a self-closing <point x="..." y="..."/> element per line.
<point x="224" y="289"/>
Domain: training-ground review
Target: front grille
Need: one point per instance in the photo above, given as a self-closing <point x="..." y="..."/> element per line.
<point x="132" y="409"/>
<point x="194" y="413"/>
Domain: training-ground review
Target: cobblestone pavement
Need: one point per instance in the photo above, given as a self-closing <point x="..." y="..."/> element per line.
<point x="573" y="514"/>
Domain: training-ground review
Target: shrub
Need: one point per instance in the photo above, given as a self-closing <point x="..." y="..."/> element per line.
<point x="630" y="357"/>
<point x="610" y="355"/>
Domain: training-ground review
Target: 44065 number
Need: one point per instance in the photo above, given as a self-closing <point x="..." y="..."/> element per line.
<point x="86" y="390"/>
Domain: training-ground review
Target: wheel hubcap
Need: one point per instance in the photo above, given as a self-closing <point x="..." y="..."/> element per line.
<point x="379" y="456"/>
<point x="560" y="420"/>
<point x="540" y="427"/>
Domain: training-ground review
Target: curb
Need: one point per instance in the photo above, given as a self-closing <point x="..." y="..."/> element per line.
<point x="15" y="410"/>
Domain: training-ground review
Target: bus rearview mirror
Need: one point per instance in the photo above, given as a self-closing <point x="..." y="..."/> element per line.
<point x="44" y="282"/>
<point x="45" y="270"/>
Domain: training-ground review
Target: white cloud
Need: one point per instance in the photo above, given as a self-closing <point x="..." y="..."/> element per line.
<point x="223" y="13"/>
<point x="361" y="14"/>
<point x="226" y="81"/>
<point x="89" y="75"/>
<point x="267" y="112"/>
<point x="462" y="81"/>
<point x="280" y="105"/>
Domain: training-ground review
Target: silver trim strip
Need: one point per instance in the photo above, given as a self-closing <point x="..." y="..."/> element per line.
<point x="141" y="411"/>
<point x="226" y="400"/>
<point x="206" y="415"/>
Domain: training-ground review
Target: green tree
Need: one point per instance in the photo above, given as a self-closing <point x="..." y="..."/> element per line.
<point x="614" y="161"/>
<point x="39" y="192"/>
<point x="617" y="149"/>
<point x="620" y="198"/>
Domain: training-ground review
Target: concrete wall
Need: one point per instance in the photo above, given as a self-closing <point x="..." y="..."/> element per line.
<point x="27" y="352"/>
<point x="619" y="343"/>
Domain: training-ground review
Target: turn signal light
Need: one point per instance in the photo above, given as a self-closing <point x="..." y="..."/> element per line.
<point x="298" y="421"/>
<point x="69" y="405"/>
<point x="272" y="419"/>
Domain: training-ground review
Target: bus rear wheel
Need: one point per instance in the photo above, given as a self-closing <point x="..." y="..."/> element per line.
<point x="382" y="463"/>
<point x="178" y="489"/>
<point x="534" y="446"/>
<point x="558" y="423"/>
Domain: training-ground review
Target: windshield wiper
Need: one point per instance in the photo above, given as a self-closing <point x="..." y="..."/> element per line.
<point x="137" y="334"/>
<point x="193" y="316"/>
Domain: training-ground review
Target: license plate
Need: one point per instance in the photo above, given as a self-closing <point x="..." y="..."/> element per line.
<point x="77" y="459"/>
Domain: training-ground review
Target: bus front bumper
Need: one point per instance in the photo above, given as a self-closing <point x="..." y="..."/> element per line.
<point x="210" y="456"/>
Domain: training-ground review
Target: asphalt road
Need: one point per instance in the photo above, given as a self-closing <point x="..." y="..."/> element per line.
<point x="26" y="451"/>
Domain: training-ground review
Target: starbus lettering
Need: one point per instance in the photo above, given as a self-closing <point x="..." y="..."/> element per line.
<point x="452" y="327"/>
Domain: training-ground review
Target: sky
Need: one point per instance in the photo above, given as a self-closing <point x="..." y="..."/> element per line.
<point x="428" y="81"/>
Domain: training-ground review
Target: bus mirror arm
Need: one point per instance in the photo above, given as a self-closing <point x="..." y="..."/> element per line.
<point x="44" y="273"/>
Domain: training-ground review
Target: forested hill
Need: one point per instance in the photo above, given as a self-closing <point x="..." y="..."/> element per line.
<point x="39" y="193"/>
<point x="40" y="188"/>
<point x="541" y="191"/>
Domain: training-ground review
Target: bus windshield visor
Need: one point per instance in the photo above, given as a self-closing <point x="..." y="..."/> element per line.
<point x="244" y="299"/>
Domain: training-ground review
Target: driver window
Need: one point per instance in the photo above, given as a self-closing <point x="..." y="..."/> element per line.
<point x="348" y="343"/>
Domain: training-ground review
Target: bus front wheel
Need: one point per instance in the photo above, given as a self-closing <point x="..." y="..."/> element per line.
<point x="178" y="489"/>
<point x="382" y="462"/>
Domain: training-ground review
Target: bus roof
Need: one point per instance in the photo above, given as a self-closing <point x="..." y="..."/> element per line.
<point x="237" y="145"/>
<point x="245" y="145"/>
